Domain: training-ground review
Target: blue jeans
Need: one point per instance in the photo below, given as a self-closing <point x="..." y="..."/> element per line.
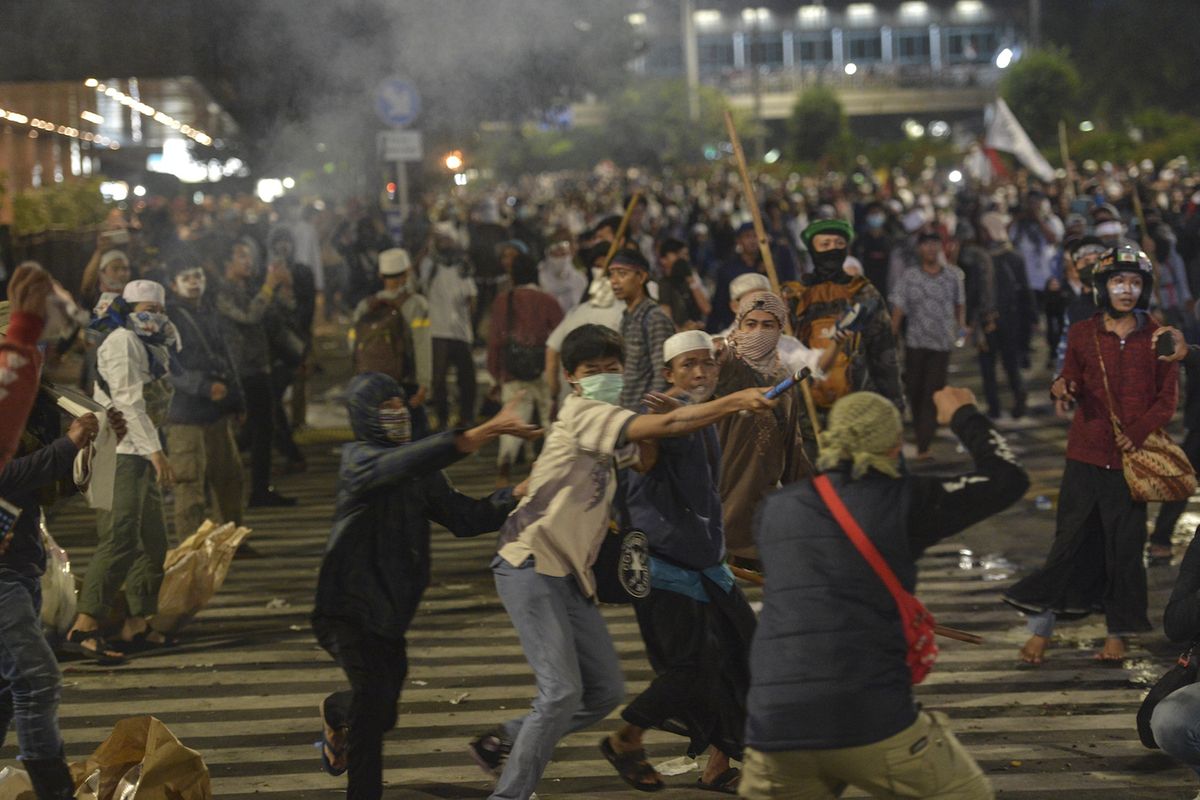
<point x="32" y="684"/>
<point x="574" y="663"/>
<point x="1176" y="725"/>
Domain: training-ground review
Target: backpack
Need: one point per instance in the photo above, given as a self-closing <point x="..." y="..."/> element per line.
<point x="382" y="340"/>
<point x="522" y="362"/>
<point x="816" y="311"/>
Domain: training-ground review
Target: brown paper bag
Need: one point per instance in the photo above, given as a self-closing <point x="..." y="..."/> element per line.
<point x="194" y="572"/>
<point x="169" y="771"/>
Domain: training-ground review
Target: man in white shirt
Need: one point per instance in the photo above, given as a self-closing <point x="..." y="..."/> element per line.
<point x="452" y="296"/>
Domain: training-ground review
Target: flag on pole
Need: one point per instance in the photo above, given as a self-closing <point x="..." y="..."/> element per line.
<point x="1005" y="133"/>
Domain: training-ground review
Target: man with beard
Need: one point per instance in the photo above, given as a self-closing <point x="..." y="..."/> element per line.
<point x="865" y="359"/>
<point x="757" y="452"/>
<point x="695" y="623"/>
<point x="200" y="442"/>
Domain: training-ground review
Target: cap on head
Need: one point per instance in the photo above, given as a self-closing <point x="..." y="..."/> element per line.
<point x="685" y="342"/>
<point x="394" y="261"/>
<point x="837" y="227"/>
<point x="143" y="291"/>
<point x="111" y="256"/>
<point x="749" y="282"/>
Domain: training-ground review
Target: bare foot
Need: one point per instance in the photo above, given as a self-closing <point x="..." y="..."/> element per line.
<point x="718" y="763"/>
<point x="1034" y="651"/>
<point x="1113" y="650"/>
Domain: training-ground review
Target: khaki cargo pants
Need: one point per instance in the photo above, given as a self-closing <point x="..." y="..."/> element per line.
<point x="925" y="761"/>
<point x="204" y="457"/>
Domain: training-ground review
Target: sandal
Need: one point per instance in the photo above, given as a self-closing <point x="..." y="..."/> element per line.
<point x="102" y="652"/>
<point x="142" y="643"/>
<point x="632" y="766"/>
<point x="726" y="782"/>
<point x="333" y="756"/>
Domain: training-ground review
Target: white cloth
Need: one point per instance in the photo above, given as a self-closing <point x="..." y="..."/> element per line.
<point x="450" y="296"/>
<point x="142" y="291"/>
<point x="585" y="314"/>
<point x="124" y="364"/>
<point x="308" y="250"/>
<point x="96" y="466"/>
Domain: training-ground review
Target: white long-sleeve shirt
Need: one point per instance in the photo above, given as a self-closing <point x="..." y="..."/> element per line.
<point x="124" y="364"/>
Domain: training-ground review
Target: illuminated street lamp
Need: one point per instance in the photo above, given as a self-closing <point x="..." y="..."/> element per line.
<point x="453" y="161"/>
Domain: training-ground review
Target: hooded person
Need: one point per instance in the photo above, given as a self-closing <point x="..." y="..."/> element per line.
<point x="377" y="562"/>
<point x="831" y="701"/>
<point x="205" y="404"/>
<point x="132" y="365"/>
<point x="761" y="451"/>
<point x="866" y="357"/>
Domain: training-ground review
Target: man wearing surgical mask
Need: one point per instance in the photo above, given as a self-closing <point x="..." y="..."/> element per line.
<point x="205" y="406"/>
<point x="558" y="275"/>
<point x="873" y="247"/>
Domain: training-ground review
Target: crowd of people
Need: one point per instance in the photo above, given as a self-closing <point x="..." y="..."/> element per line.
<point x="640" y="325"/>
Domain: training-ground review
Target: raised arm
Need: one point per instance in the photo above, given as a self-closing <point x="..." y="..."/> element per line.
<point x="686" y="419"/>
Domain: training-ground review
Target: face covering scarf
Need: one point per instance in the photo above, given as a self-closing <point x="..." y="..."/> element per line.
<point x="396" y="424"/>
<point x="827" y="266"/>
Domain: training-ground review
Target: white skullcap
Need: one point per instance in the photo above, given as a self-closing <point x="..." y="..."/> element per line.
<point x="394" y="261"/>
<point x="1110" y="228"/>
<point x="446" y="229"/>
<point x="686" y="342"/>
<point x="111" y="256"/>
<point x="145" y="292"/>
<point x="750" y="282"/>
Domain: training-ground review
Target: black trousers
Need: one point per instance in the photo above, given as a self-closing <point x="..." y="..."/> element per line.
<point x="376" y="668"/>
<point x="1005" y="347"/>
<point x="281" y="379"/>
<point x="924" y="373"/>
<point x="700" y="656"/>
<point x="1169" y="513"/>
<point x="260" y="409"/>
<point x="1095" y="563"/>
<point x="453" y="354"/>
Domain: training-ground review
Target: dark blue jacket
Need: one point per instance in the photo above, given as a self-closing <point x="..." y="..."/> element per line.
<point x="203" y="360"/>
<point x="376" y="564"/>
<point x="676" y="503"/>
<point x="20" y="481"/>
<point x="828" y="663"/>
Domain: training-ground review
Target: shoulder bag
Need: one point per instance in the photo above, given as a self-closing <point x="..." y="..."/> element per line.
<point x="1183" y="673"/>
<point x="1158" y="471"/>
<point x="915" y="619"/>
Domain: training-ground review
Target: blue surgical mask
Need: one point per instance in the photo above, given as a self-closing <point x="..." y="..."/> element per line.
<point x="605" y="387"/>
<point x="875" y="221"/>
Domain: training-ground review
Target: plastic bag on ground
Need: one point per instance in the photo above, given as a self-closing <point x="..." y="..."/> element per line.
<point x="90" y="788"/>
<point x="167" y="769"/>
<point x="194" y="572"/>
<point x="58" y="585"/>
<point x="15" y="785"/>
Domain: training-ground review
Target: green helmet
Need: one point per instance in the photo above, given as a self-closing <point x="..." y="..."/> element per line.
<point x="837" y="226"/>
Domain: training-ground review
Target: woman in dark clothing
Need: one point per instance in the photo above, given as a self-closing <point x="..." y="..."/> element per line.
<point x="376" y="564"/>
<point x="1176" y="719"/>
<point x="1095" y="563"/>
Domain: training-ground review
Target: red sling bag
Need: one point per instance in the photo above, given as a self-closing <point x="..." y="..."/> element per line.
<point x="916" y="620"/>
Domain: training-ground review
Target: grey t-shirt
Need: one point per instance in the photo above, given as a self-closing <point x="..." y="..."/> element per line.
<point x="928" y="302"/>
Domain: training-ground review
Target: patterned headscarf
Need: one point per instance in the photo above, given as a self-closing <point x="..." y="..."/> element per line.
<point x="863" y="428"/>
<point x="760" y="348"/>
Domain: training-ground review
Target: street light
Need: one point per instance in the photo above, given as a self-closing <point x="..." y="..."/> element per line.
<point x="851" y="68"/>
<point x="453" y="161"/>
<point x="1004" y="58"/>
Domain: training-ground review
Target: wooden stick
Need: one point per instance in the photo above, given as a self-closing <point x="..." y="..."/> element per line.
<point x="620" y="234"/>
<point x="1065" y="153"/>
<point x="756" y="578"/>
<point x="1141" y="217"/>
<point x="764" y="247"/>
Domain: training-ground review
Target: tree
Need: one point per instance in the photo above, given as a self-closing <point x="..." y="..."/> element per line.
<point x="817" y="123"/>
<point x="1042" y="88"/>
<point x="647" y="124"/>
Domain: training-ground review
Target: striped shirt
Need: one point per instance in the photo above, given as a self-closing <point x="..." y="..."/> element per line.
<point x="563" y="519"/>
<point x="644" y="328"/>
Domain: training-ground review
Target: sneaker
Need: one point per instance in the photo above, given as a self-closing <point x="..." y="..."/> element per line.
<point x="490" y="752"/>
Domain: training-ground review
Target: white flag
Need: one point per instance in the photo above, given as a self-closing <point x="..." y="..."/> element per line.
<point x="1005" y="133"/>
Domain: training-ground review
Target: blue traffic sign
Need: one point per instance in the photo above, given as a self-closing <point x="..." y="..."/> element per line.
<point x="397" y="102"/>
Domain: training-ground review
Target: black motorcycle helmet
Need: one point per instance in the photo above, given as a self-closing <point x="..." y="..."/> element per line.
<point x="1125" y="257"/>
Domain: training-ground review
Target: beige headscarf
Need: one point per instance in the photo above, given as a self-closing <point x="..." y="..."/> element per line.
<point x="863" y="428"/>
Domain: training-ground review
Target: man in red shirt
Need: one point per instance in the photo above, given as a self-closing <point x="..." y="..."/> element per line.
<point x="522" y="319"/>
<point x="20" y="363"/>
<point x="1095" y="563"/>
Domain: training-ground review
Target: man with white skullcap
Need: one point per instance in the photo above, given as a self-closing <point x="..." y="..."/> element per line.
<point x="390" y="329"/>
<point x="132" y="365"/>
<point x="695" y="623"/>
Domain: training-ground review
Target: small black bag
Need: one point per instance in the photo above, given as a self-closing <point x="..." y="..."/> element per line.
<point x="522" y="362"/>
<point x="1184" y="673"/>
<point x="622" y="568"/>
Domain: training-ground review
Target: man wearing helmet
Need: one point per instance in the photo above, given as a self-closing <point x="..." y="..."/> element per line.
<point x="1096" y="562"/>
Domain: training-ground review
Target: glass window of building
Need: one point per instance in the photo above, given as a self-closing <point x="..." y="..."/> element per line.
<point x="814" y="50"/>
<point x="911" y="47"/>
<point x="764" y="49"/>
<point x="971" y="45"/>
<point x="864" y="46"/>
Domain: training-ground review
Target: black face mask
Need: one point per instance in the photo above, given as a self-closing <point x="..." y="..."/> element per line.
<point x="1085" y="275"/>
<point x="827" y="266"/>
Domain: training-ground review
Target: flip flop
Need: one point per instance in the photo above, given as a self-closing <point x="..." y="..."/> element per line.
<point x="632" y="766"/>
<point x="726" y="782"/>
<point x="327" y="747"/>
<point x="73" y="643"/>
